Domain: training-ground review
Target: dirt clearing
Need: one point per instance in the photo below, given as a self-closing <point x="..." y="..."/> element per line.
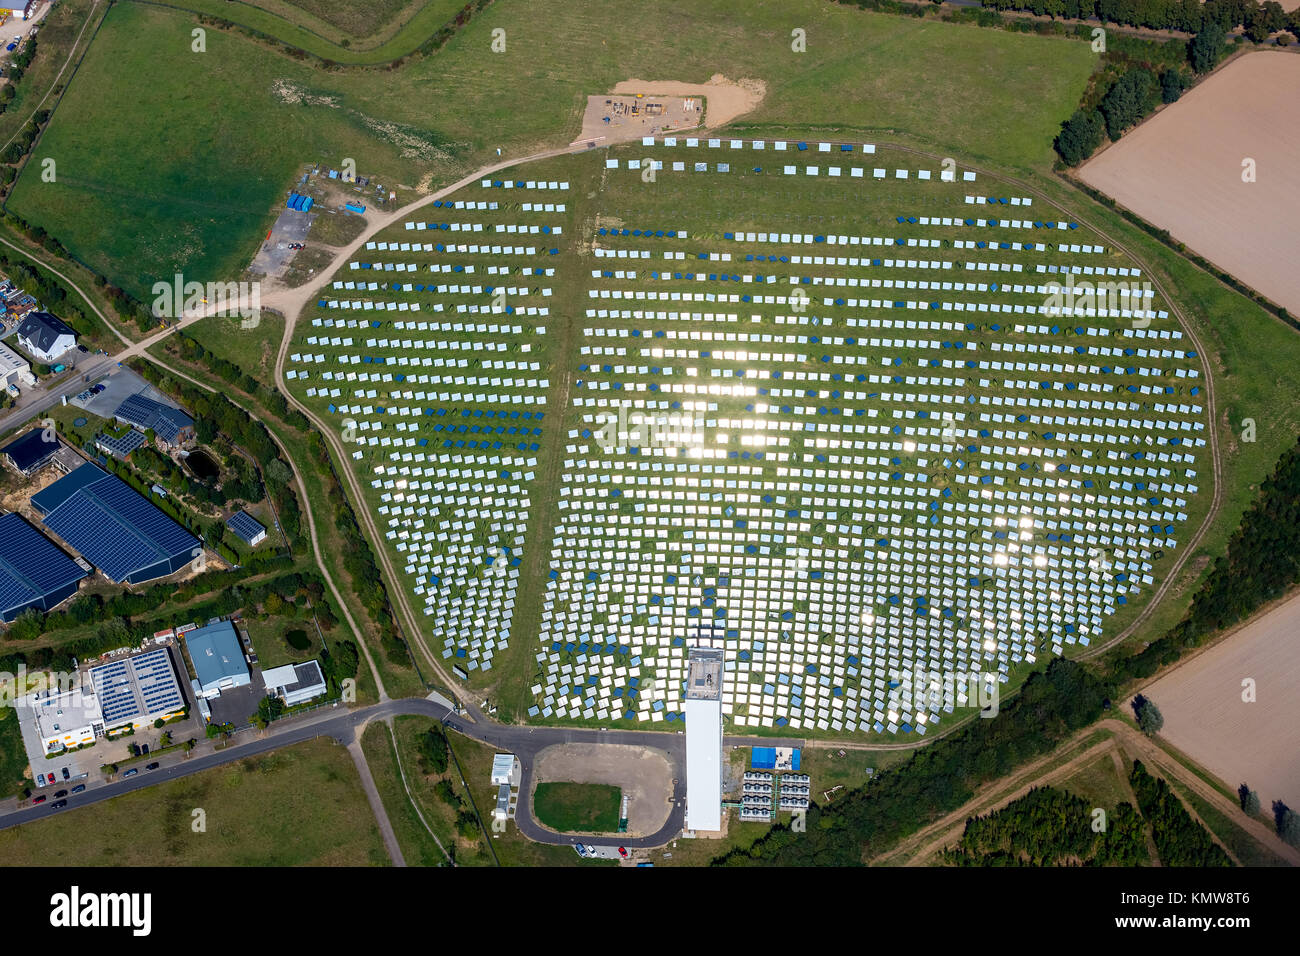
<point x="1183" y="171"/>
<point x="644" y="775"/>
<point x="1205" y="717"/>
<point x="724" y="100"/>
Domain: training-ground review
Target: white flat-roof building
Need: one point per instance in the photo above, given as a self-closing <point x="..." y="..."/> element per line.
<point x="505" y="770"/>
<point x="11" y="366"/>
<point x="65" y="718"/>
<point x="295" y="683"/>
<point x="703" y="706"/>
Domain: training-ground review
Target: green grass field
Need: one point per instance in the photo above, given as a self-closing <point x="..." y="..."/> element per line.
<point x="237" y="121"/>
<point x="303" y="806"/>
<point x="577" y="807"/>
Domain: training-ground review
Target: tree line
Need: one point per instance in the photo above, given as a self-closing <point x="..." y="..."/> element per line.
<point x="938" y="778"/>
<point x="1260" y="20"/>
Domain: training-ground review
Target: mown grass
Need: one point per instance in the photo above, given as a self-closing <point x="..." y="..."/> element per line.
<point x="577" y="807"/>
<point x="199" y="192"/>
<point x="302" y="806"/>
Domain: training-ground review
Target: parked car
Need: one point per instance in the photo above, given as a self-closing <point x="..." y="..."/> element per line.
<point x="61" y="793"/>
<point x="622" y="851"/>
<point x="152" y="766"/>
<point x="39" y="798"/>
<point x="40" y="780"/>
<point x="66" y="775"/>
<point x="132" y="772"/>
<point x="59" y="804"/>
<point x="79" y="788"/>
<point x="11" y="47"/>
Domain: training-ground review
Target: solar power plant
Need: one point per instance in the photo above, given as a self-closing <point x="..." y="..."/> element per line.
<point x="31" y="565"/>
<point x="850" y="414"/>
<point x="114" y="528"/>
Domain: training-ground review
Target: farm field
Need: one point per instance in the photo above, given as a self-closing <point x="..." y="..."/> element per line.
<point x="1182" y="170"/>
<point x="199" y="193"/>
<point x="1256" y="743"/>
<point x="810" y="454"/>
<point x="255" y="813"/>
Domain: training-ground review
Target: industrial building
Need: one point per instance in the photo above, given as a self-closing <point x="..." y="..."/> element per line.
<point x="218" y="659"/>
<point x="34" y="571"/>
<point x="128" y="692"/>
<point x="171" y="425"/>
<point x="45" y="337"/>
<point x="247" y="528"/>
<point x="705" y="667"/>
<point x="505" y="770"/>
<point x="63" y="717"/>
<point x="115" y="529"/>
<point x="138" y="690"/>
<point x="295" y="683"/>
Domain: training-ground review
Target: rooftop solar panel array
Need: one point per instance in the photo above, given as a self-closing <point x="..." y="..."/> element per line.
<point x="121" y="447"/>
<point x="244" y="525"/>
<point x="31" y="565"/>
<point x="116" y="529"/>
<point x="137" y="687"/>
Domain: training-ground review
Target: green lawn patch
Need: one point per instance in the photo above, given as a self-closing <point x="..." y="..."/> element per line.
<point x="577" y="807"/>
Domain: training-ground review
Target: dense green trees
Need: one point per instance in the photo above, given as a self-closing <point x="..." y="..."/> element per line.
<point x="1204" y="49"/>
<point x="1150" y="720"/>
<point x="1185" y="16"/>
<point x="1050" y="827"/>
<point x="1179" y="839"/>
<point x="1080" y="136"/>
<point x="1128" y="100"/>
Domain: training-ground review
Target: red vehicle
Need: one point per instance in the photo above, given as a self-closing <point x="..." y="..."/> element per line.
<point x="622" y="851"/>
<point x="38" y="799"/>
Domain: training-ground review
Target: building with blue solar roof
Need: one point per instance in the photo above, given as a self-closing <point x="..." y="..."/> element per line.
<point x="138" y="690"/>
<point x="247" y="528"/>
<point x="171" y="425"/>
<point x="29" y="453"/>
<point x="34" y="571"/>
<point x="114" y="528"/>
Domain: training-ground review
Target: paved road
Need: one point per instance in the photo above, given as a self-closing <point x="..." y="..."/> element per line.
<point x="342" y="725"/>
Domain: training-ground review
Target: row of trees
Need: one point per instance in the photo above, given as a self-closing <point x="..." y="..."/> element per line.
<point x="937" y="778"/>
<point x="119" y="627"/>
<point x="1133" y="95"/>
<point x="1187" y="16"/>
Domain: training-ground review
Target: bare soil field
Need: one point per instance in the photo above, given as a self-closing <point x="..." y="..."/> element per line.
<point x="644" y="775"/>
<point x="1205" y="717"/>
<point x="1182" y="170"/>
